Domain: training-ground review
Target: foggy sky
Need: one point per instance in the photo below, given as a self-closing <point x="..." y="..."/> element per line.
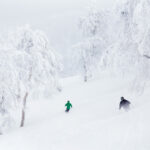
<point x="58" y="18"/>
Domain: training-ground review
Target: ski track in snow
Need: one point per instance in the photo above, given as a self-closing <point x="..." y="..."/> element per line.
<point x="93" y="123"/>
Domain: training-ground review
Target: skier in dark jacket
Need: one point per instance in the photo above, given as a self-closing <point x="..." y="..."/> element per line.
<point x="68" y="106"/>
<point x="124" y="104"/>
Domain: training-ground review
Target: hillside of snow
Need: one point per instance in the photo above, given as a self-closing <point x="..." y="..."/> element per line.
<point x="93" y="123"/>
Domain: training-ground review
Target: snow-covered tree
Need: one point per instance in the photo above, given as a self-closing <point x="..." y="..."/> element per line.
<point x="35" y="61"/>
<point x="129" y="55"/>
<point x="94" y="28"/>
<point x="26" y="62"/>
<point x="88" y="54"/>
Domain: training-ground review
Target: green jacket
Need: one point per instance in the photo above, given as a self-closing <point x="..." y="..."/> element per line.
<point x="68" y="105"/>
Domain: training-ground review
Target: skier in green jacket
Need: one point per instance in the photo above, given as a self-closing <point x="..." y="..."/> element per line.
<point x="68" y="106"/>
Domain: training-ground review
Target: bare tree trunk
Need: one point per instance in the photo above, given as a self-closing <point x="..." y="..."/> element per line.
<point x="23" y="110"/>
<point x="146" y="56"/>
<point x="19" y="92"/>
<point x="84" y="67"/>
<point x="85" y="72"/>
<point x="25" y="101"/>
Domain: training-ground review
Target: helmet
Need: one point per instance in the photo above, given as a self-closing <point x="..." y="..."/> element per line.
<point x="122" y="98"/>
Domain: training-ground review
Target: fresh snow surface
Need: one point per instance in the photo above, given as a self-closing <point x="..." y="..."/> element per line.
<point x="94" y="122"/>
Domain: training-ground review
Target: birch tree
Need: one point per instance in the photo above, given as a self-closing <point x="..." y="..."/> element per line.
<point x="36" y="62"/>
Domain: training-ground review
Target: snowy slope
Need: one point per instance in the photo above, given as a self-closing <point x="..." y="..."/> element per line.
<point x="94" y="123"/>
